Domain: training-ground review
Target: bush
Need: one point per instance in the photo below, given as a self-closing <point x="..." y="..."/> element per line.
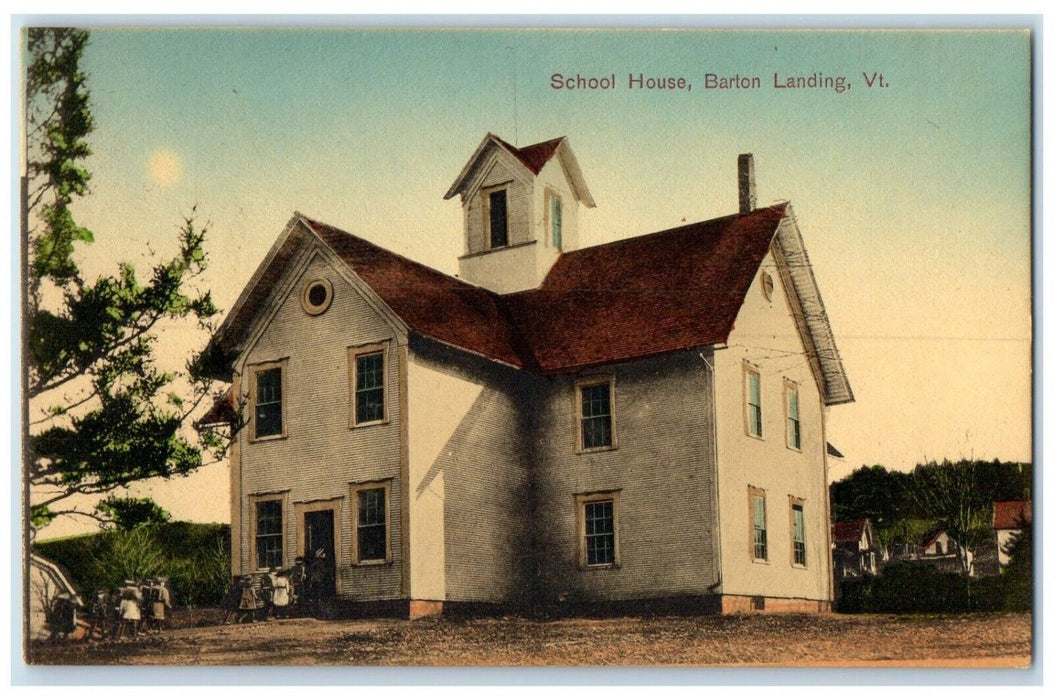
<point x="912" y="588"/>
<point x="194" y="557"/>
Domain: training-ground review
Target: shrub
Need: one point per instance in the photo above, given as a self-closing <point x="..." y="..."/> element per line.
<point x="194" y="557"/>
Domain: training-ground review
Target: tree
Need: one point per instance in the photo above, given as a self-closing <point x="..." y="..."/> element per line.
<point x="105" y="415"/>
<point x="872" y="492"/>
<point x="954" y="496"/>
<point x="1018" y="572"/>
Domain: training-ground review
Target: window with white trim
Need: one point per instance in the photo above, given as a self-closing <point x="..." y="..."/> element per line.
<point x="759" y="545"/>
<point x="752" y="392"/>
<point x="798" y="531"/>
<point x="596" y="416"/>
<point x="556" y="221"/>
<point x="368" y="366"/>
<point x="268" y="539"/>
<point x="597" y="519"/>
<point x="267" y="392"/>
<point x="790" y="392"/>
<point x="372" y="543"/>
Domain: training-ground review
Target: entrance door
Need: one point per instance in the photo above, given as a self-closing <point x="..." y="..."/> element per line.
<point x="319" y="550"/>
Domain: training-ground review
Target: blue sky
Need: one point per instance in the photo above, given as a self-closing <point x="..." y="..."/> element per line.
<point x="914" y="199"/>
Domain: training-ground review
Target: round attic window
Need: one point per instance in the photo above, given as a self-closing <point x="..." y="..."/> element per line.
<point x="766" y="285"/>
<point x="316" y="297"/>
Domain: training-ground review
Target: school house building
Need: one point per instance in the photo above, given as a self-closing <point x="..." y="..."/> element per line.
<point x="635" y="423"/>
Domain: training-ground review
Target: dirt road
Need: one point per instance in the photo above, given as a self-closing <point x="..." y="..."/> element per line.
<point x="997" y="641"/>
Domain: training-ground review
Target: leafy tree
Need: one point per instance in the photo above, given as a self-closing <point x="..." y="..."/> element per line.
<point x="953" y="495"/>
<point x="872" y="492"/>
<point x="105" y="415"/>
<point x="128" y="513"/>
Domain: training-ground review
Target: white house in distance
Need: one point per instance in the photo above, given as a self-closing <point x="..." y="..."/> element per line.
<point x="639" y="423"/>
<point x="1008" y="518"/>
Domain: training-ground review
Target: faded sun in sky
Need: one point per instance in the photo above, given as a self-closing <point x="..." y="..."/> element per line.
<point x="164" y="167"/>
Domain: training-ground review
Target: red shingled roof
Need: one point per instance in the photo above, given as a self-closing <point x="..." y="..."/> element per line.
<point x="641" y="296"/>
<point x="534" y="156"/>
<point x="428" y="301"/>
<point x="848" y="530"/>
<point x="1009" y="515"/>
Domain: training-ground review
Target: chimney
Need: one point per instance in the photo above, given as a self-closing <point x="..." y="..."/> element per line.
<point x="748" y="195"/>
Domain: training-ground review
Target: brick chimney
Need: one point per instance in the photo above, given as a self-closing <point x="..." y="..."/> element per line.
<point x="748" y="196"/>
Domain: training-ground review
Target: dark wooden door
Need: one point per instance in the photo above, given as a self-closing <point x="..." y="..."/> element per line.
<point x="318" y="548"/>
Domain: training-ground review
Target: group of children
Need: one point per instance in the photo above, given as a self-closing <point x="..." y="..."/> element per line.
<point x="259" y="597"/>
<point x="134" y="607"/>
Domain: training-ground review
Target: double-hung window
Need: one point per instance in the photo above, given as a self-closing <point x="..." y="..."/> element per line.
<point x="798" y="531"/>
<point x="597" y="529"/>
<point x="268" y="534"/>
<point x="372" y="544"/>
<point x="760" y="544"/>
<point x="268" y="391"/>
<point x="367" y="365"/>
<point x="793" y="419"/>
<point x="752" y="381"/>
<point x="595" y="415"/>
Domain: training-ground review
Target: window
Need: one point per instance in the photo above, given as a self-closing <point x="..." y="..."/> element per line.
<point x="798" y="531"/>
<point x="316" y="296"/>
<point x="595" y="416"/>
<point x="371" y="523"/>
<point x="367" y="364"/>
<point x="556" y="224"/>
<point x="598" y="529"/>
<point x="268" y="388"/>
<point x="499" y="218"/>
<point x="790" y="391"/>
<point x="759" y="546"/>
<point x="753" y="396"/>
<point x="268" y="534"/>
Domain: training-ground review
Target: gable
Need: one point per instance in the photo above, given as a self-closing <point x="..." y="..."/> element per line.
<point x="288" y="323"/>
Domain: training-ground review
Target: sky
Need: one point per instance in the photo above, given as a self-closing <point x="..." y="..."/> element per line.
<point x="913" y="198"/>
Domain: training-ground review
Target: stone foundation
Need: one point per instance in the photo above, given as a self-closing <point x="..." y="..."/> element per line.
<point x="732" y="604"/>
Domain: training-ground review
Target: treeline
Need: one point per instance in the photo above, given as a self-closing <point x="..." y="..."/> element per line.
<point x="901" y="505"/>
<point x="957" y="497"/>
<point x="194" y="557"/>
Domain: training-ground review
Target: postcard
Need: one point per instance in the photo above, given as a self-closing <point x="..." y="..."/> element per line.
<point x="562" y="347"/>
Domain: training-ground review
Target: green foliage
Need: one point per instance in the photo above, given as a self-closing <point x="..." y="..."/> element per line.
<point x="128" y="513"/>
<point x="196" y="559"/>
<point x="124" y="554"/>
<point x="1018" y="572"/>
<point x="913" y="588"/>
<point x="904" y="506"/>
<point x="954" y="496"/>
<point x="58" y="122"/>
<point x="872" y="492"/>
<point x="111" y="416"/>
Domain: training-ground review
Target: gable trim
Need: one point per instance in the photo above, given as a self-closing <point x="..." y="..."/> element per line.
<point x="815" y="326"/>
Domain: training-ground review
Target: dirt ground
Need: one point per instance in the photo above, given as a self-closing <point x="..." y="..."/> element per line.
<point x="1003" y="641"/>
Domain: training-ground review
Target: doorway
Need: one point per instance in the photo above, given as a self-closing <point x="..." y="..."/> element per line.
<point x="320" y="552"/>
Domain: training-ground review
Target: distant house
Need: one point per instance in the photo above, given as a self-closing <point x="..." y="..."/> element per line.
<point x="1008" y="517"/>
<point x="940" y="551"/>
<point x="636" y="421"/>
<point x="857" y="550"/>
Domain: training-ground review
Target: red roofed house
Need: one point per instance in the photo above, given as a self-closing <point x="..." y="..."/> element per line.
<point x="857" y="551"/>
<point x="1008" y="517"/>
<point x="636" y="421"/>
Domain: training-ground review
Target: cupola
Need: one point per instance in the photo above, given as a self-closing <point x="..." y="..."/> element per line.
<point x="520" y="211"/>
